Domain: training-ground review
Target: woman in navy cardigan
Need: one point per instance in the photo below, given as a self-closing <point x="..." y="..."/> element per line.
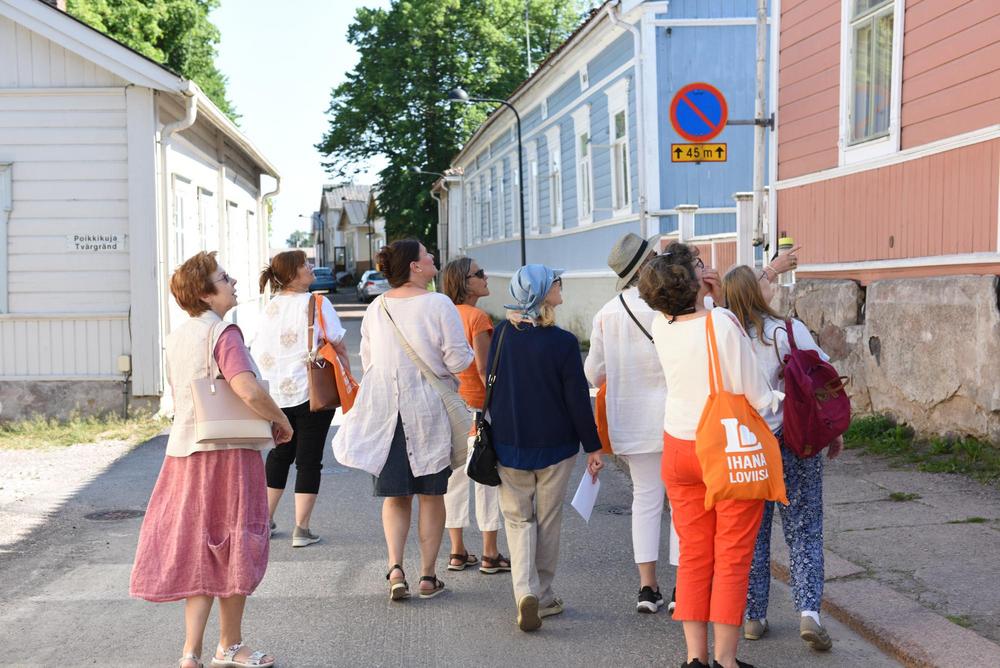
<point x="540" y="413"/>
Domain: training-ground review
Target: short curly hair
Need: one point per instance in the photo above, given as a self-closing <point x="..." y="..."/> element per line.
<point x="193" y="280"/>
<point x="668" y="282"/>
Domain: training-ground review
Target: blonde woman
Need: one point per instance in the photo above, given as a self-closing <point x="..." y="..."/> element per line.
<point x="465" y="282"/>
<point x="541" y="414"/>
<point x="748" y="297"/>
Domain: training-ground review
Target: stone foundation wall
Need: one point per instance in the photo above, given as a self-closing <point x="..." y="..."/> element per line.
<point x="62" y="399"/>
<point x="926" y="351"/>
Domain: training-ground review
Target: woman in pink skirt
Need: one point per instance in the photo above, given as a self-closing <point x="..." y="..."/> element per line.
<point x="205" y="534"/>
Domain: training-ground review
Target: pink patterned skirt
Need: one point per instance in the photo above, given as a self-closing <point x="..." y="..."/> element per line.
<point x="206" y="528"/>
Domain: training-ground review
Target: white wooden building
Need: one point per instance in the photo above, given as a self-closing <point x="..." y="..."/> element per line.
<point x="113" y="170"/>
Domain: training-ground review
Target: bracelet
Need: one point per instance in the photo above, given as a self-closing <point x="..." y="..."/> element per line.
<point x="772" y="276"/>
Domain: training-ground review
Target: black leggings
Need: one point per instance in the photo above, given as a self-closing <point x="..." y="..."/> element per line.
<point x="305" y="449"/>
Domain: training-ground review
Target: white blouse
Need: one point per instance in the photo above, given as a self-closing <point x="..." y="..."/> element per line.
<point x="622" y="355"/>
<point x="683" y="354"/>
<point x="279" y="345"/>
<point x="393" y="386"/>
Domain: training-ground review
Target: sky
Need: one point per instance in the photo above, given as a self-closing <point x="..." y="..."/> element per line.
<point x="282" y="60"/>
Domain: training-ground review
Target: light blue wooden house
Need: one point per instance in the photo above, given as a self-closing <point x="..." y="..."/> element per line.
<point x="596" y="137"/>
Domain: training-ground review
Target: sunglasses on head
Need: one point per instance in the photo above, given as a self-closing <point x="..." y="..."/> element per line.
<point x="478" y="274"/>
<point x="557" y="281"/>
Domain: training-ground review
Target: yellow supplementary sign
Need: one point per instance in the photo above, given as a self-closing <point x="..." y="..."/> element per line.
<point x="698" y="153"/>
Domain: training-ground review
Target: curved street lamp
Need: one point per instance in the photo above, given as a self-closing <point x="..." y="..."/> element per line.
<point x="459" y="95"/>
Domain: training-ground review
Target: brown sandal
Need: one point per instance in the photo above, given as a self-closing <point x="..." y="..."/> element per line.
<point x="466" y="559"/>
<point x="399" y="589"/>
<point x="497" y="564"/>
<point x="431" y="593"/>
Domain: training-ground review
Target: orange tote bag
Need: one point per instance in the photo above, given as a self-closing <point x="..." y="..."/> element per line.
<point x="739" y="456"/>
<point x="347" y="387"/>
<point x="601" y="418"/>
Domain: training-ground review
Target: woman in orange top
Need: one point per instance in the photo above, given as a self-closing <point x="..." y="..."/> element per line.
<point x="465" y="282"/>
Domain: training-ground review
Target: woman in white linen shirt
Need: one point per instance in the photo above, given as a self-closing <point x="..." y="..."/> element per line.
<point x="622" y="354"/>
<point x="398" y="429"/>
<point x="281" y="350"/>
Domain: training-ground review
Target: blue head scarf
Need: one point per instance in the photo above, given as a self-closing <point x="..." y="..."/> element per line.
<point x="528" y="287"/>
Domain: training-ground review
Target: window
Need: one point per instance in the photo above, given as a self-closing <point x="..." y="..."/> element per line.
<point x="584" y="178"/>
<point x="472" y="217"/>
<point x="533" y="187"/>
<point x="208" y="218"/>
<point x="584" y="79"/>
<point x="503" y="205"/>
<point x="619" y="160"/>
<point x="6" y="204"/>
<point x="871" y="69"/>
<point x="621" y="186"/>
<point x="555" y="179"/>
<point x="545" y="109"/>
<point x="484" y="209"/>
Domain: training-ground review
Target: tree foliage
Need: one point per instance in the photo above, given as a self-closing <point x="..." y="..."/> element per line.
<point x="394" y="101"/>
<point x="299" y="239"/>
<point x="175" y="33"/>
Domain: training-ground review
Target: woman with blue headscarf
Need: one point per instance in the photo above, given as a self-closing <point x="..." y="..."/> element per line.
<point x="541" y="414"/>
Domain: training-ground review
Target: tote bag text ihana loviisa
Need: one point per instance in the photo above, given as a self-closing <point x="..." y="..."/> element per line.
<point x="739" y="456"/>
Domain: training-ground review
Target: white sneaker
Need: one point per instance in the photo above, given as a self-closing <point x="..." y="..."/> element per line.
<point x="302" y="537"/>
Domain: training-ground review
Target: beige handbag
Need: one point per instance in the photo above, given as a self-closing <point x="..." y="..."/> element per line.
<point x="459" y="415"/>
<point x="220" y="416"/>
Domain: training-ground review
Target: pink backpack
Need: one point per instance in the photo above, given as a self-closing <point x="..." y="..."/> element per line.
<point x="816" y="409"/>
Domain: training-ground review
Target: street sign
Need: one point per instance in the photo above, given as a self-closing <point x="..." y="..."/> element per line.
<point x="699" y="112"/>
<point x="698" y="152"/>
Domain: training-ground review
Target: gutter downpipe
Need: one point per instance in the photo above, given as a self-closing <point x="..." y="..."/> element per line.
<point x="614" y="15"/>
<point x="190" y="91"/>
<point x="442" y="228"/>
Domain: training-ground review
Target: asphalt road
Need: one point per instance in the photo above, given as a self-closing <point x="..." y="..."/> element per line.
<point x="64" y="592"/>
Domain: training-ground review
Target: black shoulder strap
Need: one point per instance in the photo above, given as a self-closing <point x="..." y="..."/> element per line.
<point x="638" y="324"/>
<point x="490" y="379"/>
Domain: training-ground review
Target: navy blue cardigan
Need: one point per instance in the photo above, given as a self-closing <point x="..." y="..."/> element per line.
<point x="540" y="409"/>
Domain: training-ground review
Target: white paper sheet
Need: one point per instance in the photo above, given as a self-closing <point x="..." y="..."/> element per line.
<point x="586" y="496"/>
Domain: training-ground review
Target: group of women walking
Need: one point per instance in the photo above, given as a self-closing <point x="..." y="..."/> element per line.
<point x="205" y="534"/>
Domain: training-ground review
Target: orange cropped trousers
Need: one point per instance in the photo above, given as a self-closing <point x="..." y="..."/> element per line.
<point x="716" y="545"/>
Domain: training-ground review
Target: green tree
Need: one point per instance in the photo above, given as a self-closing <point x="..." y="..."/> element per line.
<point x="299" y="239"/>
<point x="394" y="101"/>
<point x="175" y="33"/>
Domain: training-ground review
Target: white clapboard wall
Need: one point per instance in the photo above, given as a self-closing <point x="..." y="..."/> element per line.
<point x="63" y="133"/>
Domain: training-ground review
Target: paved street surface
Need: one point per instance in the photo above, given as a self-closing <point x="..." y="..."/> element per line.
<point x="64" y="592"/>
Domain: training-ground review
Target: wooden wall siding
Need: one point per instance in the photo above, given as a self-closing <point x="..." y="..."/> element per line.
<point x="60" y="347"/>
<point x="28" y="60"/>
<point x="939" y="205"/>
<point x="69" y="176"/>
<point x="808" y="87"/>
<point x="951" y="69"/>
<point x="724" y="257"/>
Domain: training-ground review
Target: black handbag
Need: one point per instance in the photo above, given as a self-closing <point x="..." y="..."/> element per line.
<point x="482" y="465"/>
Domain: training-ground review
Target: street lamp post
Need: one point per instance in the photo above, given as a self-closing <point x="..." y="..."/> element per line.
<point x="459" y="95"/>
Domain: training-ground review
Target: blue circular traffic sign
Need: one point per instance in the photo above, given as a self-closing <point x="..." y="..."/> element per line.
<point x="699" y="112"/>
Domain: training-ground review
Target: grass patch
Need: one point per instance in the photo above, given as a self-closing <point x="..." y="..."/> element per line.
<point x="903" y="496"/>
<point x="42" y="432"/>
<point x="970" y="520"/>
<point x="961" y="620"/>
<point x="880" y="435"/>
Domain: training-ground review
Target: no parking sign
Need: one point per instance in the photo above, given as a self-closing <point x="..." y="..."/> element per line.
<point x="699" y="112"/>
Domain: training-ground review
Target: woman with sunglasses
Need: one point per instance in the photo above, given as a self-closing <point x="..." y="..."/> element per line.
<point x="465" y="282"/>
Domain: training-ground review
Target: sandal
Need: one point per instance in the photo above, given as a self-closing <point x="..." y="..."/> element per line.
<point x="466" y="559"/>
<point x="438" y="586"/>
<point x="228" y="660"/>
<point x="495" y="564"/>
<point x="190" y="657"/>
<point x="399" y="588"/>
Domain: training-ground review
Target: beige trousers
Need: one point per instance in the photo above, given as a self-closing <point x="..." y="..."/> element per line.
<point x="532" y="503"/>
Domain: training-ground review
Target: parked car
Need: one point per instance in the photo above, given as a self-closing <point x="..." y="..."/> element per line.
<point x="323" y="282"/>
<point x="372" y="284"/>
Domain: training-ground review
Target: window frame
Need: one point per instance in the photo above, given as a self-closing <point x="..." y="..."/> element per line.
<point x="584" y="166"/>
<point x="6" y="205"/>
<point x="554" y="147"/>
<point x="617" y="95"/>
<point x="855" y="151"/>
<point x="534" y="199"/>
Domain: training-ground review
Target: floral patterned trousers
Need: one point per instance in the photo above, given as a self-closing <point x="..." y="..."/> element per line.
<point x="802" y="524"/>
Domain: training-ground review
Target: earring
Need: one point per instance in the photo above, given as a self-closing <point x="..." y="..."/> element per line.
<point x="419" y="270"/>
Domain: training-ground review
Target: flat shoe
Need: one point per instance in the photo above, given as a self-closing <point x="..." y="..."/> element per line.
<point x="492" y="565"/>
<point x="527" y="613"/>
<point x="431" y="593"/>
<point x="228" y="660"/>
<point x="466" y="559"/>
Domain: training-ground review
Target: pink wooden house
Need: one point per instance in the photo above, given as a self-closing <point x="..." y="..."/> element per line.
<point x="888" y="136"/>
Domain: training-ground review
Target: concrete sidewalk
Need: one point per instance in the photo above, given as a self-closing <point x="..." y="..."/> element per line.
<point x="918" y="576"/>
